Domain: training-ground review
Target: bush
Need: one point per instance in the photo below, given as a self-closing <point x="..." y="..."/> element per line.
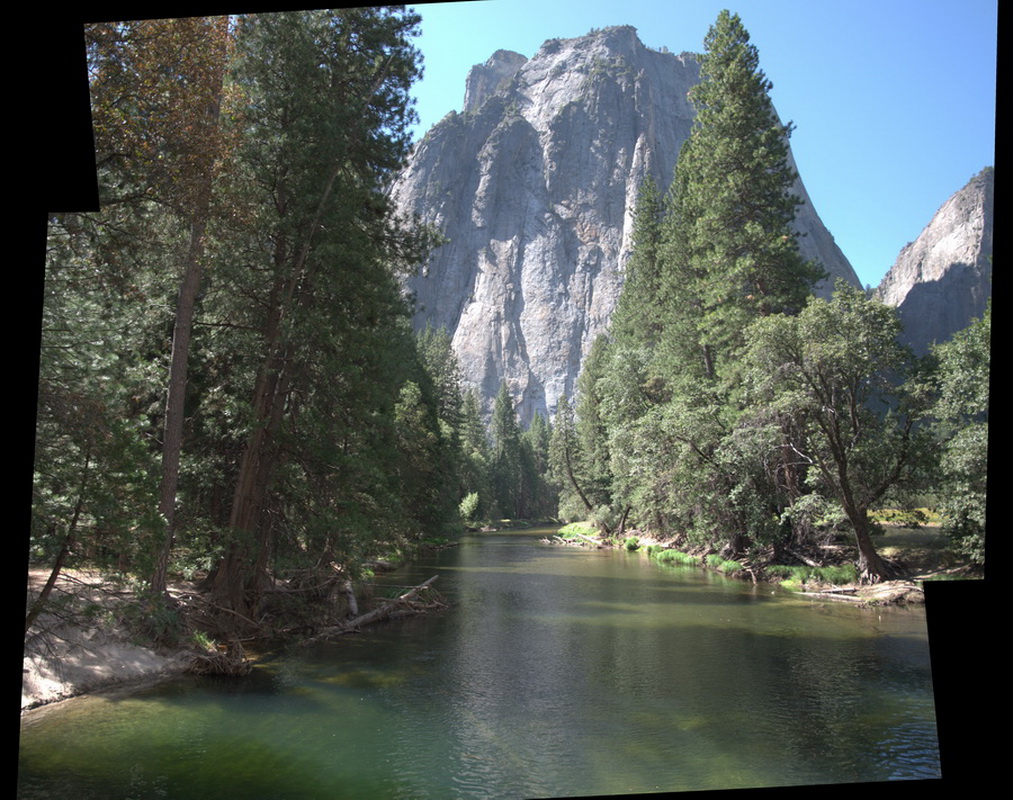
<point x="632" y="543"/>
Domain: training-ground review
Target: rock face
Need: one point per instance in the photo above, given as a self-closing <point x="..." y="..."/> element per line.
<point x="943" y="279"/>
<point x="534" y="184"/>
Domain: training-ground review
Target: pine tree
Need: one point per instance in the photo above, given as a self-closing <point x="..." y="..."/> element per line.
<point x="506" y="468"/>
<point x="634" y="322"/>
<point x="539" y="493"/>
<point x="476" y="458"/>
<point x="325" y="126"/>
<point x="727" y="255"/>
<point x="733" y="255"/>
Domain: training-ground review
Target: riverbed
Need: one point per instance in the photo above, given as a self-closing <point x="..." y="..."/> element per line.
<point x="556" y="672"/>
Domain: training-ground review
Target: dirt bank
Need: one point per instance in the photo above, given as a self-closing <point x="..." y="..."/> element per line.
<point x="85" y="645"/>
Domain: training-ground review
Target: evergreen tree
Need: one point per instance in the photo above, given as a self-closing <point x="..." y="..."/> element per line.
<point x="326" y="125"/>
<point x="565" y="465"/>
<point x="727" y="254"/>
<point x="634" y="321"/>
<point x="539" y="495"/>
<point x="477" y="459"/>
<point x="962" y="411"/>
<point x="591" y="457"/>
<point x="506" y="466"/>
<point x="732" y="254"/>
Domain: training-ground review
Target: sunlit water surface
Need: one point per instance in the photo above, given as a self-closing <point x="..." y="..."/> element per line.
<point x="557" y="671"/>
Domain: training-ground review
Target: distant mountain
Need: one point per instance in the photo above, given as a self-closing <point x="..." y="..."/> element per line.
<point x="534" y="183"/>
<point x="942" y="280"/>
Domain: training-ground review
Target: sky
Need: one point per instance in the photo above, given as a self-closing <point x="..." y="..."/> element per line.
<point x="893" y="101"/>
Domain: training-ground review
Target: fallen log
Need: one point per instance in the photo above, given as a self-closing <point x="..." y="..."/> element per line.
<point x="376" y="615"/>
<point x="385" y="610"/>
<point x="805" y="560"/>
<point x="824" y="595"/>
<point x="587" y="539"/>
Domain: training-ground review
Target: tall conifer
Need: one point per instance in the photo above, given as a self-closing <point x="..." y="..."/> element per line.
<point x="733" y="251"/>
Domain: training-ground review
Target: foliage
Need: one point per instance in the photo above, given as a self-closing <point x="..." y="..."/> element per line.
<point x="468" y="508"/>
<point x="251" y="155"/>
<point x="962" y="411"/>
<point x="835" y="370"/>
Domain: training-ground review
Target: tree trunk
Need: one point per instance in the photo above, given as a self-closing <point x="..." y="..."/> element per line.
<point x="61" y="558"/>
<point x="871" y="567"/>
<point x="193" y="268"/>
<point x="172" y="437"/>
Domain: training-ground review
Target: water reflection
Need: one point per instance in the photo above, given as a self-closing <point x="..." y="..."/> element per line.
<point x="556" y="672"/>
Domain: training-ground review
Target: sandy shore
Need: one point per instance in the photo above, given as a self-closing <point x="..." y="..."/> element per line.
<point x="65" y="658"/>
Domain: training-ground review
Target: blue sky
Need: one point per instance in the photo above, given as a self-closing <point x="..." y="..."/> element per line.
<point x="893" y="100"/>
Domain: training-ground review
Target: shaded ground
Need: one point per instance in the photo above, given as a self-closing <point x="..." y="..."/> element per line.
<point x="86" y="643"/>
<point x="919" y="554"/>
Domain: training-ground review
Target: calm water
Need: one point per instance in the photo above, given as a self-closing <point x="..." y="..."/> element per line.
<point x="557" y="672"/>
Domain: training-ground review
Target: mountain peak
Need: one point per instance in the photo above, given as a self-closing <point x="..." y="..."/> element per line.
<point x="535" y="187"/>
<point x="941" y="280"/>
<point x="485" y="80"/>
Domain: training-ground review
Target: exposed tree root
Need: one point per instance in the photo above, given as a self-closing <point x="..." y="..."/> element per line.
<point x="227" y="659"/>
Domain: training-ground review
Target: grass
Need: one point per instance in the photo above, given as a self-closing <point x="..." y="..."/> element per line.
<point x="727" y="566"/>
<point x="584" y="528"/>
<point x="663" y="556"/>
<point x="793" y="576"/>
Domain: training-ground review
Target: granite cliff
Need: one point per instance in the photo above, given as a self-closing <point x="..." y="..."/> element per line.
<point x="534" y="184"/>
<point x="943" y="279"/>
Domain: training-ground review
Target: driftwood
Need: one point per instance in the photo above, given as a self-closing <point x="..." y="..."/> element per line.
<point x="807" y="561"/>
<point x="391" y="607"/>
<point x="587" y="539"/>
<point x="386" y="609"/>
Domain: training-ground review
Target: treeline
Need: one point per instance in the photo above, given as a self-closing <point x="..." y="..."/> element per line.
<point x="229" y="382"/>
<point x="230" y="386"/>
<point x="728" y="405"/>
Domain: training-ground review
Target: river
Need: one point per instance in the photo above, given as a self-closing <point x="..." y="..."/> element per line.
<point x="557" y="671"/>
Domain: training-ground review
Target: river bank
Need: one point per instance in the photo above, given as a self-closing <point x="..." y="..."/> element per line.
<point x="87" y="642"/>
<point x="90" y="649"/>
<point x="917" y="554"/>
<point x="84" y="646"/>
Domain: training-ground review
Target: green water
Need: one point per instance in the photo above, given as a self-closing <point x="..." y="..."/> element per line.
<point x="557" y="672"/>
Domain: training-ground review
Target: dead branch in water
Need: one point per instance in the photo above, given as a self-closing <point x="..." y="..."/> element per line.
<point x="405" y="603"/>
